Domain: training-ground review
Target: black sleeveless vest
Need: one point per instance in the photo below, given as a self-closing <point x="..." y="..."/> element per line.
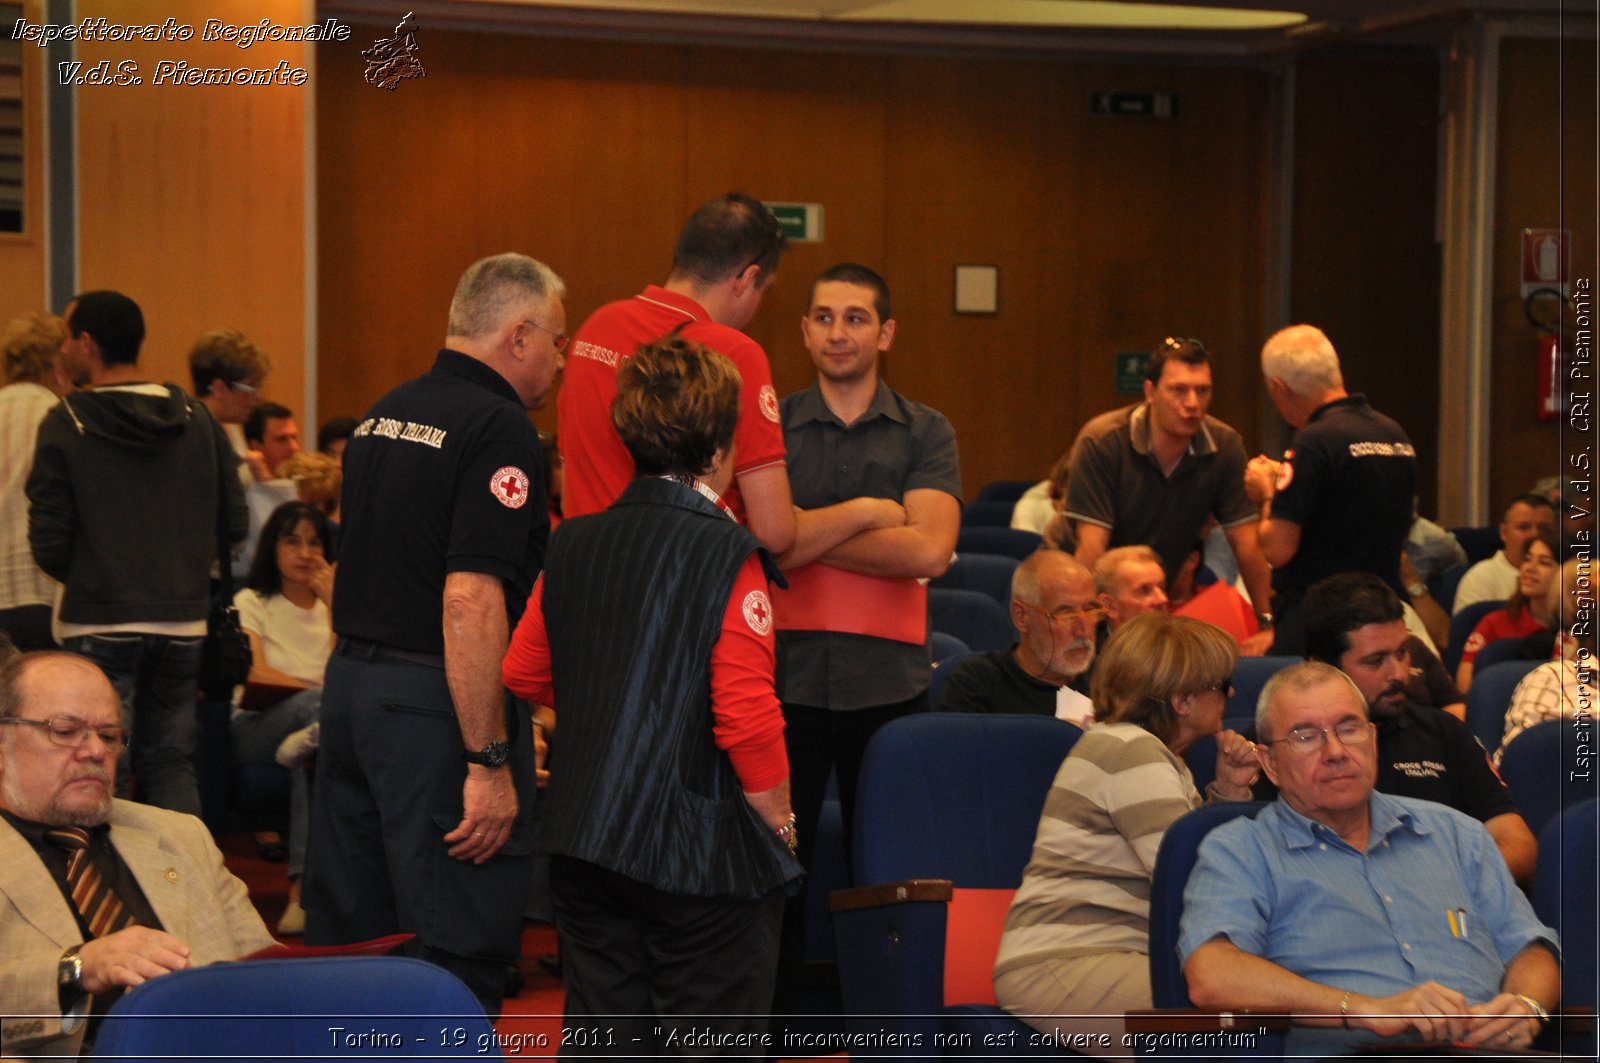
<point x="633" y="603"/>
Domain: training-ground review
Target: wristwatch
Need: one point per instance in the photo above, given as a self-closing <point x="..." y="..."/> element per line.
<point x="69" y="976"/>
<point x="493" y="755"/>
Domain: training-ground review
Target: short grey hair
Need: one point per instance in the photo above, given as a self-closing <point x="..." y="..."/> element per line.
<point x="494" y="288"/>
<point x="1300" y="677"/>
<point x="1107" y="564"/>
<point x="1025" y="580"/>
<point x="1303" y="358"/>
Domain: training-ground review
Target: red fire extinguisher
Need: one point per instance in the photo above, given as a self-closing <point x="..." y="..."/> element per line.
<point x="1549" y="378"/>
<point x="1544" y="308"/>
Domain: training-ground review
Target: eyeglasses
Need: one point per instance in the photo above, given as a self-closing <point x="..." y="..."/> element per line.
<point x="1307" y="740"/>
<point x="1089" y="614"/>
<point x="71" y="733"/>
<point x="559" y="337"/>
<point x="242" y="388"/>
<point x="1226" y="687"/>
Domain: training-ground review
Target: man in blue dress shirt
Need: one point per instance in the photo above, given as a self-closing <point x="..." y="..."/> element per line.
<point x="1365" y="916"/>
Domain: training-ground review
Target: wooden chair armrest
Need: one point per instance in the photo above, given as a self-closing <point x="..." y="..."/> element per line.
<point x="912" y="889"/>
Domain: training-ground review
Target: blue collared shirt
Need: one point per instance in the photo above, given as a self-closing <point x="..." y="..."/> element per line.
<point x="1430" y="900"/>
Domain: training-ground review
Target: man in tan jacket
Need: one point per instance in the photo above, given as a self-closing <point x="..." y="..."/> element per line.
<point x="156" y="897"/>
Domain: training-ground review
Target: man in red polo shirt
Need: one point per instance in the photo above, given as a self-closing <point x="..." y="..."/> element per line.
<point x="726" y="254"/>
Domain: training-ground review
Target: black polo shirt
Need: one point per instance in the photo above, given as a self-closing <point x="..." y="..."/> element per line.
<point x="1430" y="754"/>
<point x="1348" y="481"/>
<point x="1117" y="482"/>
<point x="444" y="474"/>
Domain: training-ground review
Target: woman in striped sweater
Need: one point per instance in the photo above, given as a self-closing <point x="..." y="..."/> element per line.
<point x="1073" y="956"/>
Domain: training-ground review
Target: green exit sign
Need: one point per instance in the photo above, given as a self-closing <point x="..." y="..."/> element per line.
<point x="1130" y="372"/>
<point x="801" y="222"/>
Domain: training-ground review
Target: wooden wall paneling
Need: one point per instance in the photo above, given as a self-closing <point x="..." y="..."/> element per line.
<point x="1174" y="229"/>
<point x="1545" y="178"/>
<point x="22" y="255"/>
<point x="969" y="182"/>
<point x="1365" y="263"/>
<point x="568" y="151"/>
<point x="191" y="198"/>
<point x="793" y="126"/>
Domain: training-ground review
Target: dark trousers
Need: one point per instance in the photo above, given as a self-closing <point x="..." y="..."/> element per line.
<point x="154" y="677"/>
<point x="821" y="740"/>
<point x="388" y="789"/>
<point x="646" y="971"/>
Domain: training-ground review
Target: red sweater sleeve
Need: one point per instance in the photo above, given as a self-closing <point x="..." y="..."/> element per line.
<point x="748" y="720"/>
<point x="526" y="669"/>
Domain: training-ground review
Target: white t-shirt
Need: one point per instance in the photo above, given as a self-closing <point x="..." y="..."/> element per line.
<point x="295" y="641"/>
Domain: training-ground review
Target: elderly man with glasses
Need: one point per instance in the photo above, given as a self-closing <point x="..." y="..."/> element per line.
<point x="1055" y="610"/>
<point x="98" y="894"/>
<point x="1364" y="916"/>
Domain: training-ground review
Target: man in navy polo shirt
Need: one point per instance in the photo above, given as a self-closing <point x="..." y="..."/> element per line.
<point x="425" y="775"/>
<point x="1340" y="501"/>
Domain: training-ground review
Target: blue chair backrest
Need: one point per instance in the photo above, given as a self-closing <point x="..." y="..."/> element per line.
<point x="1461" y="626"/>
<point x="943" y="646"/>
<point x="1490" y="695"/>
<point x="1480" y="542"/>
<point x="1564" y="896"/>
<point x="986" y="573"/>
<point x="987" y="514"/>
<point x="1008" y="542"/>
<point x="1540" y="767"/>
<point x="971" y="616"/>
<point x="1174" y="860"/>
<point x="1004" y="490"/>
<point x="1201" y="757"/>
<point x="1499" y="652"/>
<point x="1249" y="676"/>
<point x="956" y="796"/>
<point x="1442" y="587"/>
<point x="286" y="1009"/>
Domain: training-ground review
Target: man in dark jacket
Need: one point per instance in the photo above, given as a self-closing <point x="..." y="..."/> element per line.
<point x="132" y="484"/>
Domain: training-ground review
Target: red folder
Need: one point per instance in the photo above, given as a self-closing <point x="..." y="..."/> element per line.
<point x="375" y="947"/>
<point x="823" y="598"/>
<point x="1224" y="607"/>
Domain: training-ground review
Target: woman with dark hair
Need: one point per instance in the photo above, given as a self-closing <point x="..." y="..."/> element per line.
<point x="667" y="812"/>
<point x="285" y="610"/>
<point x="1525" y="612"/>
<point x="1076" y="938"/>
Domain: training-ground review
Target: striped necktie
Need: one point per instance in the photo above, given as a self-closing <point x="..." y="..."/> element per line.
<point x="102" y="910"/>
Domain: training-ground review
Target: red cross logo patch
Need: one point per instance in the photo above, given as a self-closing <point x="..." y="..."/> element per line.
<point x="510" y="485"/>
<point x="1285" y="471"/>
<point x="758" y="612"/>
<point x="769" y="403"/>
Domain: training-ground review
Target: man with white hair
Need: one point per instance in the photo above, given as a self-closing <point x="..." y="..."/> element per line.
<point x="1340" y="501"/>
<point x="96" y="895"/>
<point x="1130" y="582"/>
<point x="421" y="821"/>
<point x="1054" y="607"/>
